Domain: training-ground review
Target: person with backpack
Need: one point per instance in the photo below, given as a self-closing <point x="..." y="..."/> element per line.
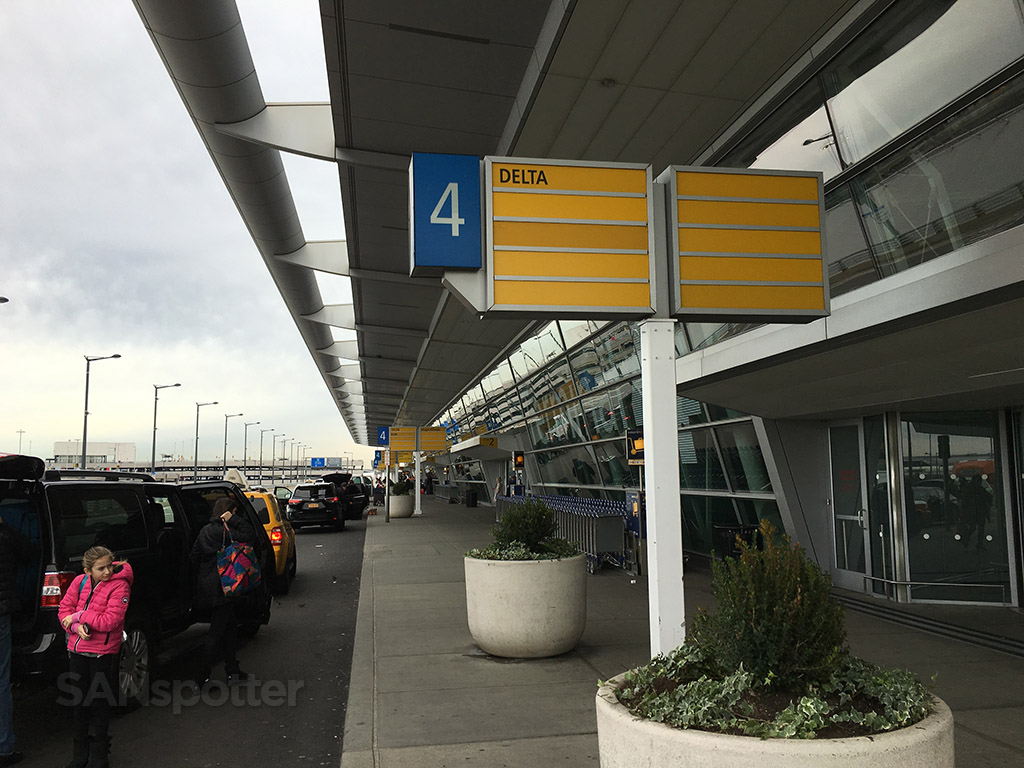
<point x="222" y="638"/>
<point x="92" y="613"/>
<point x="15" y="548"/>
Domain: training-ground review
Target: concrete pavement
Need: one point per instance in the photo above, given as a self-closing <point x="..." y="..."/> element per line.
<point x="422" y="694"/>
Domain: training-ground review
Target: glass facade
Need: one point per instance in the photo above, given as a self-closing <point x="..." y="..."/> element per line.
<point x="917" y="125"/>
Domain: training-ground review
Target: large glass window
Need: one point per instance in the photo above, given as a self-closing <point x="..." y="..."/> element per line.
<point x="955" y="521"/>
<point x="699" y="464"/>
<point x="700" y="516"/>
<point x="610" y="412"/>
<point x="743" y="459"/>
<point x="951" y="188"/>
<point x="919" y="58"/>
<point x="849" y="259"/>
<point x="567" y="466"/>
<point x="614" y="465"/>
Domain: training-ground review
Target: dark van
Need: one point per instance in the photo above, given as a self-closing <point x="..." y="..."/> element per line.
<point x="151" y="525"/>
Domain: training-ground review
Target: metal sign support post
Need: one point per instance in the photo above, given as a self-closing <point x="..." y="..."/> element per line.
<point x="661" y="460"/>
<point x="419" y="508"/>
<point x="387" y="486"/>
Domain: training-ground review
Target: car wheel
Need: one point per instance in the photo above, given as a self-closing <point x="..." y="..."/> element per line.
<point x="282" y="584"/>
<point x="293" y="567"/>
<point x="134" y="667"/>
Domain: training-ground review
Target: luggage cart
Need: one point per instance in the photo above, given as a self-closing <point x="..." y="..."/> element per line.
<point x="595" y="526"/>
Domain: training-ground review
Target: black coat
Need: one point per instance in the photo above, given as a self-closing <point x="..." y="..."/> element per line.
<point x="15" y="548"/>
<point x="209" y="542"/>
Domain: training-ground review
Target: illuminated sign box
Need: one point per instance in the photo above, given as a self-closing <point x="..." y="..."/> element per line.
<point x="569" y="238"/>
<point x="433" y="439"/>
<point x="403" y="439"/>
<point x="747" y="244"/>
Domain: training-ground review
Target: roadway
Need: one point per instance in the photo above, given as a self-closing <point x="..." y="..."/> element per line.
<point x="294" y="716"/>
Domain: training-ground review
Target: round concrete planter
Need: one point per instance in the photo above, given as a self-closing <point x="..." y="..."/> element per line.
<point x="526" y="609"/>
<point x="402" y="506"/>
<point x="624" y="740"/>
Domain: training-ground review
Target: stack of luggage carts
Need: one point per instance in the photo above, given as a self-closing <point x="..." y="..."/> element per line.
<point x="596" y="526"/>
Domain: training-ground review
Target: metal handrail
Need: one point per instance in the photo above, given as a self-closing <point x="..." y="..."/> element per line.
<point x="895" y="582"/>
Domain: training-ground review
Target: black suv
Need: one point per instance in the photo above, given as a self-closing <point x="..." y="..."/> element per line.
<point x="316" y="504"/>
<point x="353" y="497"/>
<point x="151" y="525"/>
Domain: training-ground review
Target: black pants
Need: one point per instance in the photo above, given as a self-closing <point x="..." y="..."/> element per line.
<point x="222" y="638"/>
<point x="94" y="682"/>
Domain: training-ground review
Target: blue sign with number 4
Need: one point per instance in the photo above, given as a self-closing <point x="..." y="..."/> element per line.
<point x="446" y="225"/>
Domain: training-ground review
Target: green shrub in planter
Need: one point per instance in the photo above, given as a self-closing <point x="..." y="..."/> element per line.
<point x="772" y="661"/>
<point x="776" y="614"/>
<point x="526" y="532"/>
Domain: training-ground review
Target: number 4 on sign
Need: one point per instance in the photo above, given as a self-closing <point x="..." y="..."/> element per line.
<point x="452" y="191"/>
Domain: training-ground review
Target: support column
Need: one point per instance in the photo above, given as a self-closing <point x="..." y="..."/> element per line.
<point x="419" y="501"/>
<point x="661" y="470"/>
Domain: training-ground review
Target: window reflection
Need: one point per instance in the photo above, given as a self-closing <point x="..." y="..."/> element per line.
<point x="699" y="465"/>
<point x="955" y="523"/>
<point x="743" y="458"/>
<point x="927" y="55"/>
<point x="810" y="146"/>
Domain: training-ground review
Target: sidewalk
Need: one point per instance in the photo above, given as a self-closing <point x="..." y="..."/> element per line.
<point x="422" y="694"/>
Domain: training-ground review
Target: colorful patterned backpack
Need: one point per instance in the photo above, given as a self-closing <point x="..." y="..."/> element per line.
<point x="237" y="565"/>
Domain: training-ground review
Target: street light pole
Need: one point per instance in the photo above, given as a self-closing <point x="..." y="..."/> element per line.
<point x="195" y="471"/>
<point x="273" y="455"/>
<point x="20" y="433"/>
<point x="245" y="446"/>
<point x="262" y="432"/>
<point x="284" y="455"/>
<point x="156" y="397"/>
<point x="226" y="417"/>
<point x="85" y="422"/>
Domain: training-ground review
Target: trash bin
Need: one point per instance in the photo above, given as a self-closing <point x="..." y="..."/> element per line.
<point x="470" y="498"/>
<point x="723" y="538"/>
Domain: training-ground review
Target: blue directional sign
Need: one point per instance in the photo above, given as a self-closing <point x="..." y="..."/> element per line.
<point x="378" y="457"/>
<point x="318" y="462"/>
<point x="383" y="435"/>
<point x="445" y="225"/>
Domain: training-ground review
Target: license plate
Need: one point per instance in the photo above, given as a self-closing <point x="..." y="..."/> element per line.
<point x="313" y="505"/>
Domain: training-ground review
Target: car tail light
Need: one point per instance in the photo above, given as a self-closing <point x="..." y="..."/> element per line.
<point x="276" y="536"/>
<point x="294" y="501"/>
<point x="55" y="584"/>
<point x="334" y="499"/>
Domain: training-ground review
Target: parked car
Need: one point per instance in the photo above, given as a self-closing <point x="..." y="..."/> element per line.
<point x="151" y="525"/>
<point x="316" y="504"/>
<point x="282" y="538"/>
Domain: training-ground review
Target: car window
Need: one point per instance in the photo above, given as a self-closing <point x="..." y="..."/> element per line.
<point x="314" y="491"/>
<point x="105" y="516"/>
<point x="164" y="503"/>
<point x="260" y="505"/>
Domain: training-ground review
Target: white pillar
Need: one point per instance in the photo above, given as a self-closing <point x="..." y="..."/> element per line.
<point x="419" y="466"/>
<point x="661" y="470"/>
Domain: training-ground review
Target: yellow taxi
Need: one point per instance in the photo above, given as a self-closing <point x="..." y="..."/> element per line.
<point x="281" y="535"/>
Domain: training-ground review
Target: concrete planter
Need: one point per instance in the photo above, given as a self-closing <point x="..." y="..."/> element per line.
<point x="402" y="506"/>
<point x="526" y="609"/>
<point x="624" y="740"/>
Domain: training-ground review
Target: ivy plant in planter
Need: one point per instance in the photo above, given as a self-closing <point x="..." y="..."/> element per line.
<point x="526" y="593"/>
<point x="768" y="679"/>
<point x="402" y="502"/>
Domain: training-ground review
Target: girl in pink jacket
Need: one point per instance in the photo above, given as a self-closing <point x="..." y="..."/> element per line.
<point x="92" y="613"/>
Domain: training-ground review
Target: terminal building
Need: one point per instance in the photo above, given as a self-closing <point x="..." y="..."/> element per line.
<point x="886" y="438"/>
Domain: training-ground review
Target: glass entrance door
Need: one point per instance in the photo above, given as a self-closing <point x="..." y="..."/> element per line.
<point x="851" y="551"/>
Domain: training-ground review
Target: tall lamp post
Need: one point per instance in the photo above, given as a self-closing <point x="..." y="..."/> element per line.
<point x="20" y="433"/>
<point x="156" y="397"/>
<point x="85" y="422"/>
<point x="245" y="446"/>
<point x="226" y="417"/>
<point x="273" y="455"/>
<point x="284" y="454"/>
<point x="195" y="471"/>
<point x="262" y="432"/>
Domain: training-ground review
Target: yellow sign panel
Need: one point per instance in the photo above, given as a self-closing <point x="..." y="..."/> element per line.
<point x="403" y="439"/>
<point x="570" y="238"/>
<point x="748" y="243"/>
<point x="433" y="439"/>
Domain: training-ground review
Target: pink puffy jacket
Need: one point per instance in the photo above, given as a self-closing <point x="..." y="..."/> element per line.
<point x="99" y="606"/>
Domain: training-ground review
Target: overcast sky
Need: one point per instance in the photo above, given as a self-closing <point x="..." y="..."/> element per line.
<point x="118" y="236"/>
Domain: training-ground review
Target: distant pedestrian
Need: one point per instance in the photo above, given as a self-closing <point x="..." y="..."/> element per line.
<point x="15" y="548"/>
<point x="222" y="638"/>
<point x="92" y="613"/>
